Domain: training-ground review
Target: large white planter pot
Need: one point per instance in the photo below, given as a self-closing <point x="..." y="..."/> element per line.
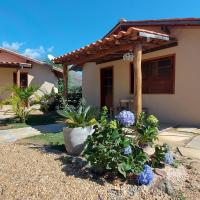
<point x="75" y="137"/>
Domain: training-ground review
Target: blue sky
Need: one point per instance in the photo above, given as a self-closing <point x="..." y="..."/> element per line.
<point x="41" y="27"/>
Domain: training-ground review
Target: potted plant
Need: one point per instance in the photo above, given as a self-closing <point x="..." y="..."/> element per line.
<point x="80" y="122"/>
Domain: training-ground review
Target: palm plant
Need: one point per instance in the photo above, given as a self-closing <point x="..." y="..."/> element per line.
<point x="23" y="94"/>
<point x="81" y="116"/>
<point x="20" y="100"/>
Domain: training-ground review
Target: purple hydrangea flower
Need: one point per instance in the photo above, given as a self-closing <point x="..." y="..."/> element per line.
<point x="169" y="159"/>
<point x="146" y="176"/>
<point x="127" y="150"/>
<point x="126" y="118"/>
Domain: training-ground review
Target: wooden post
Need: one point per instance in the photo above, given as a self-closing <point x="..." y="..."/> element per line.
<point x="138" y="79"/>
<point x="65" y="80"/>
<point x="18" y="78"/>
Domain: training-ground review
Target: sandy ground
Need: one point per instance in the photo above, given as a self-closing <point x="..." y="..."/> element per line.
<point x="29" y="173"/>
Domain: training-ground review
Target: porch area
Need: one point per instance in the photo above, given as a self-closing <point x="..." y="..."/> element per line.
<point x="135" y="42"/>
<point x="12" y="73"/>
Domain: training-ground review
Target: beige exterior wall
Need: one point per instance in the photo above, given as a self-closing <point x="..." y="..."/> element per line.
<point x="42" y="76"/>
<point x="183" y="106"/>
<point x="38" y="75"/>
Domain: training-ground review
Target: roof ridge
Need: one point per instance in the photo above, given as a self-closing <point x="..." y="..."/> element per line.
<point x="21" y="55"/>
<point x="188" y="21"/>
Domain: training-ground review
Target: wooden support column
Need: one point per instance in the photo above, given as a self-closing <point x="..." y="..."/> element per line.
<point x="18" y="77"/>
<point x="65" y="80"/>
<point x="138" y="79"/>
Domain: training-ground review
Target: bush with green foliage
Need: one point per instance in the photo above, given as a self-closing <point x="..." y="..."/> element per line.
<point x="50" y="102"/>
<point x="81" y="116"/>
<point x="146" y="129"/>
<point x="157" y="159"/>
<point x="55" y="100"/>
<point x="110" y="150"/>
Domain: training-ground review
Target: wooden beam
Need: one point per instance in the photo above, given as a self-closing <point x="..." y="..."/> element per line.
<point x="65" y="80"/>
<point x="138" y="79"/>
<point x="99" y="53"/>
<point x="18" y="77"/>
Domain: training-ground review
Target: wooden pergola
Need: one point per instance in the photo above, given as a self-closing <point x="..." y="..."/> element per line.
<point x="16" y="65"/>
<point x="113" y="47"/>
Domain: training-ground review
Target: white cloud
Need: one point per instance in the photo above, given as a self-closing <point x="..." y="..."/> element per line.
<point x="15" y="46"/>
<point x="38" y="53"/>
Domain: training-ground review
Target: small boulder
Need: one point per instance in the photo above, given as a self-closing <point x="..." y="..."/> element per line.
<point x="167" y="187"/>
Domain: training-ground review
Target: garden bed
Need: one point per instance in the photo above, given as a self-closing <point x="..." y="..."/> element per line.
<point x="31" y="172"/>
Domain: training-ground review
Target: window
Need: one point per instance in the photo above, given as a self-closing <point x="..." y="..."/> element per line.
<point x="157" y="76"/>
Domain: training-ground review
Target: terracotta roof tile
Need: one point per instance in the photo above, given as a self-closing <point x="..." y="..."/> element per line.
<point x="111" y="38"/>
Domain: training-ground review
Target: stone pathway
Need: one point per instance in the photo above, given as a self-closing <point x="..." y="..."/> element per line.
<point x="187" y="140"/>
<point x="12" y="135"/>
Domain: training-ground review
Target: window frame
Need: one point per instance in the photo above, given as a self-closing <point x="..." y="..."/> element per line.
<point x="131" y="71"/>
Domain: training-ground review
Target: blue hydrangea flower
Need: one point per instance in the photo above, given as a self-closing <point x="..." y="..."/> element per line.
<point x="169" y="159"/>
<point x="126" y="118"/>
<point x="127" y="150"/>
<point x="146" y="176"/>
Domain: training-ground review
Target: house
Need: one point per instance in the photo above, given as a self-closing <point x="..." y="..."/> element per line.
<point x="24" y="71"/>
<point x="156" y="63"/>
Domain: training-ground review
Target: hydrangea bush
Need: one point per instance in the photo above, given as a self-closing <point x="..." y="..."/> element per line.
<point x="147" y="129"/>
<point x="109" y="150"/>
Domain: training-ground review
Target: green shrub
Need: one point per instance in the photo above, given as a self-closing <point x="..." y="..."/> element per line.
<point x="159" y="155"/>
<point x="109" y="150"/>
<point x="49" y="102"/>
<point x="147" y="129"/>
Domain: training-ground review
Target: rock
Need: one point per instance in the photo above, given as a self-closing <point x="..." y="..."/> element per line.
<point x="167" y="187"/>
<point x="149" y="150"/>
<point x="195" y="165"/>
<point x="160" y="172"/>
<point x="190" y="153"/>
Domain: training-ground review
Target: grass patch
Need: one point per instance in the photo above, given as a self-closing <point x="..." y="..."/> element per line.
<point x="48" y="138"/>
<point x="52" y="140"/>
<point x="33" y="120"/>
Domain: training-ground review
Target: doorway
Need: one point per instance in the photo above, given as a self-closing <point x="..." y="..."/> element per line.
<point x="23" y="79"/>
<point x="106" y="77"/>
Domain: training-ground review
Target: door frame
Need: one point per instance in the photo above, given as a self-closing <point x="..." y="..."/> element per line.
<point x="21" y="73"/>
<point x="101" y="84"/>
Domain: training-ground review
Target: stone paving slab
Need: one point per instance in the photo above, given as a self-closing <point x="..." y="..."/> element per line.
<point x="189" y="130"/>
<point x="189" y="152"/>
<point x="6" y="138"/>
<point x="195" y="143"/>
<point x="175" y="137"/>
<point x="11" y="135"/>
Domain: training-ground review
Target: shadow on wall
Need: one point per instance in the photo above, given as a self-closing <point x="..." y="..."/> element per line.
<point x="43" y="77"/>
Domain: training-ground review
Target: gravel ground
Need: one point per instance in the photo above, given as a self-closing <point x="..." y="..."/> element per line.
<point x="27" y="173"/>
